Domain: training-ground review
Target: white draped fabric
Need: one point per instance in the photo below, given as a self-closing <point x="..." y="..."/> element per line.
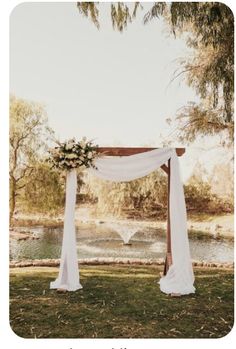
<point x="179" y="278"/>
<point x="68" y="277"/>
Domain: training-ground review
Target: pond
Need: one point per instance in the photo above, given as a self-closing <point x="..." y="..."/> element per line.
<point x="105" y="241"/>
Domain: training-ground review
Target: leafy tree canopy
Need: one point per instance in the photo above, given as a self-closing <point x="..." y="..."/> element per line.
<point x="210" y="29"/>
<point x="28" y="134"/>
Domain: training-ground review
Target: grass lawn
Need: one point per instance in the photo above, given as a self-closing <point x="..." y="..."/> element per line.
<point x="120" y="301"/>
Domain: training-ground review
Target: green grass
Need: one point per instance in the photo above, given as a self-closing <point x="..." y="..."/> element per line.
<point x="119" y="301"/>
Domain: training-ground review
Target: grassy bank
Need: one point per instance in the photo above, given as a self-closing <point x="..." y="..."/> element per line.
<point x="120" y="302"/>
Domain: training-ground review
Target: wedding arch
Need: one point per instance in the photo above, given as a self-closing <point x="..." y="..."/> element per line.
<point x="126" y="164"/>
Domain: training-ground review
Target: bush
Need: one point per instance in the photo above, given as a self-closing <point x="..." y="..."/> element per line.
<point x="200" y="199"/>
<point x="44" y="192"/>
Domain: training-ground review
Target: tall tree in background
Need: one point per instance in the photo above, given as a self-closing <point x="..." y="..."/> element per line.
<point x="145" y="195"/>
<point x="210" y="33"/>
<point x="28" y="134"/>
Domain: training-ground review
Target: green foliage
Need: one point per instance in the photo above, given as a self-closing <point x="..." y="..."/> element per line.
<point x="147" y="196"/>
<point x="210" y="33"/>
<point x="34" y="186"/>
<point x="211" y="72"/>
<point x="121" y="14"/>
<point x="89" y="9"/>
<point x="44" y="190"/>
<point x="199" y="121"/>
<point x="200" y="199"/>
<point x="144" y="195"/>
<point x="29" y="133"/>
<point x="27" y="123"/>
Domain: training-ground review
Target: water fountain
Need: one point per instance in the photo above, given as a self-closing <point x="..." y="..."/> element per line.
<point x="125" y="231"/>
<point x="100" y="241"/>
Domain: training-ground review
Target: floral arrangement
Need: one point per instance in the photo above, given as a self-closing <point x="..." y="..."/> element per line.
<point x="71" y="154"/>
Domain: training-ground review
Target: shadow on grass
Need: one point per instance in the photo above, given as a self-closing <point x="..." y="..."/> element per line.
<point x="120" y="302"/>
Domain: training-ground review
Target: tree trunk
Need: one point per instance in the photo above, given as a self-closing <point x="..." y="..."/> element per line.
<point x="12" y="197"/>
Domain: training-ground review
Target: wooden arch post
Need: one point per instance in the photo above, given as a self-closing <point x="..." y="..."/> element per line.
<point x="168" y="260"/>
<point x="123" y="151"/>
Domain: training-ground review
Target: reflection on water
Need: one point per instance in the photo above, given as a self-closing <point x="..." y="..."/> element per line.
<point x="104" y="241"/>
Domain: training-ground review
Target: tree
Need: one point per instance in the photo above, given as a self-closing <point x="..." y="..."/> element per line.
<point x="222" y="181"/>
<point x="198" y="120"/>
<point x="210" y="71"/>
<point x="200" y="198"/>
<point x="28" y="134"/>
<point x="147" y="197"/>
<point x="210" y="33"/>
<point x="137" y="197"/>
<point x="44" y="190"/>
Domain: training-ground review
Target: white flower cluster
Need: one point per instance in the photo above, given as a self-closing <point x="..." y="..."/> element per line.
<point x="72" y="154"/>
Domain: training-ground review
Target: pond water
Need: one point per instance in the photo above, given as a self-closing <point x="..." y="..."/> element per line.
<point x="103" y="241"/>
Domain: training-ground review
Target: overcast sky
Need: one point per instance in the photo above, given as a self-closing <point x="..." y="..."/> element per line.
<point x="102" y="84"/>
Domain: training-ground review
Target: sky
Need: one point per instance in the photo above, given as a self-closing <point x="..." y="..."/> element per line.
<point x="108" y="86"/>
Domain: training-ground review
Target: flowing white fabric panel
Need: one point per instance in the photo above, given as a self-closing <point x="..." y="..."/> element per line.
<point x="179" y="278"/>
<point x="68" y="277"/>
<point x="128" y="168"/>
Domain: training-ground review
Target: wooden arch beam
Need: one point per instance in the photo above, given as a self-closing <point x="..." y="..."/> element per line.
<point x="126" y="151"/>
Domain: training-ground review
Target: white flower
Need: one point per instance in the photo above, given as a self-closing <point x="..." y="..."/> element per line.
<point x="72" y="154"/>
<point x="69" y="146"/>
<point x="82" y="144"/>
<point x="90" y="155"/>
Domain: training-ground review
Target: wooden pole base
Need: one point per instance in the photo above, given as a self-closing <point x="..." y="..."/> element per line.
<point x="168" y="262"/>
